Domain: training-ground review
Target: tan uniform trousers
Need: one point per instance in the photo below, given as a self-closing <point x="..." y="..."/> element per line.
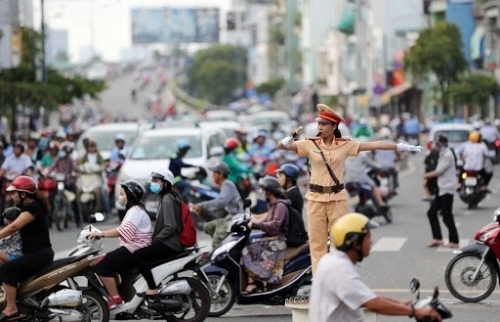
<point x="320" y="217"/>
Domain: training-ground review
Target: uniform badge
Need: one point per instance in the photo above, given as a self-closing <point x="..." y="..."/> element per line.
<point x="316" y="151"/>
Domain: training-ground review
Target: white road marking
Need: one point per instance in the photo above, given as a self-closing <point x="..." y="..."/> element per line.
<point x="389" y="244"/>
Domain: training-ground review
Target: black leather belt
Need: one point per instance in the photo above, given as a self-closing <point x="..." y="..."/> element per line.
<point x="321" y="189"/>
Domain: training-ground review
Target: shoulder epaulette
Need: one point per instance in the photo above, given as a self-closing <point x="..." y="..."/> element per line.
<point x="312" y="138"/>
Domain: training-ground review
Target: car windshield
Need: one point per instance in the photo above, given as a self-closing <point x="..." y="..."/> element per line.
<point x="264" y="122"/>
<point x="106" y="139"/>
<point x="162" y="147"/>
<point x="457" y="136"/>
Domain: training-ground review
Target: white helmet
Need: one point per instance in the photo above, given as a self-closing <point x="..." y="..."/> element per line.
<point x="384" y="132"/>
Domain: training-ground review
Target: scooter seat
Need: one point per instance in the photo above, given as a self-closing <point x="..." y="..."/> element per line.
<point x="54" y="265"/>
<point x="292" y="252"/>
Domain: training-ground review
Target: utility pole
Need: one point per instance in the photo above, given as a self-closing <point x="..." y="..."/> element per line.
<point x="44" y="61"/>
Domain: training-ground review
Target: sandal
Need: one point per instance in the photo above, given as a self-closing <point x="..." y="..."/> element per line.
<point x="251" y="288"/>
<point x="435" y="243"/>
<point x="451" y="245"/>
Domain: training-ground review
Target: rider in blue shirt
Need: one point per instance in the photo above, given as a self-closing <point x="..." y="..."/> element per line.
<point x="181" y="183"/>
<point x="120" y="151"/>
<point x="260" y="147"/>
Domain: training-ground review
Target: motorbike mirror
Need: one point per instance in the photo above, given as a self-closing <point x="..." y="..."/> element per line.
<point x="98" y="216"/>
<point x="414" y="285"/>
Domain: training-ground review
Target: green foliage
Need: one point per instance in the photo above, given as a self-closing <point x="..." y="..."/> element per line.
<point x="438" y="51"/>
<point x="217" y="72"/>
<point x="474" y="90"/>
<point x="271" y="87"/>
<point x="31" y="47"/>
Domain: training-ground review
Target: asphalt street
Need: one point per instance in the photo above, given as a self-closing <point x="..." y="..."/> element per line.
<point x="398" y="253"/>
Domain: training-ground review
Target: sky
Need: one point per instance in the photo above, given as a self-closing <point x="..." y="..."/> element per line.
<point x="102" y="24"/>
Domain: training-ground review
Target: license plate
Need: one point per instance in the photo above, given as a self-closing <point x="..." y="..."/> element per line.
<point x="152" y="205"/>
<point x="471" y="181"/>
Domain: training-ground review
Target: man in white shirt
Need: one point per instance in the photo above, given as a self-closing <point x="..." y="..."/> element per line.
<point x="474" y="154"/>
<point x="343" y="295"/>
<point x="17" y="163"/>
<point x="489" y="132"/>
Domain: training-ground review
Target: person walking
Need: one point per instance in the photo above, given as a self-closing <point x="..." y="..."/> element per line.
<point x="446" y="174"/>
<point x="327" y="152"/>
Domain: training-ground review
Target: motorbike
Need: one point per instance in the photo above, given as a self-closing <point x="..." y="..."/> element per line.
<point x="41" y="298"/>
<point x="493" y="151"/>
<point x="472" y="275"/>
<point x="111" y="173"/>
<point x="227" y="279"/>
<point x="471" y="191"/>
<point x="367" y="204"/>
<point x="89" y="189"/>
<point x="62" y="201"/>
<point x="432" y="301"/>
<point x="182" y="296"/>
<point x="384" y="181"/>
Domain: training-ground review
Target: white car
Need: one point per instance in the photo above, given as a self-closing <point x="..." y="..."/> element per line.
<point x="457" y="134"/>
<point x="153" y="149"/>
<point x="262" y="121"/>
<point x="104" y="135"/>
<point x="229" y="127"/>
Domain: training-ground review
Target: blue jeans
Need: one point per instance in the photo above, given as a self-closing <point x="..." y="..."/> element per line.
<point x="105" y="199"/>
<point x="184" y="187"/>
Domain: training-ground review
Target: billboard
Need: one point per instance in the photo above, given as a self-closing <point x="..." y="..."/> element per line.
<point x="175" y="25"/>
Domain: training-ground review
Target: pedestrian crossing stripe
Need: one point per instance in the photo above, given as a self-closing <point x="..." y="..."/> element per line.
<point x="394" y="244"/>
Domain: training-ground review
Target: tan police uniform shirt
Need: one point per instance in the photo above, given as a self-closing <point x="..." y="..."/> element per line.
<point x="336" y="155"/>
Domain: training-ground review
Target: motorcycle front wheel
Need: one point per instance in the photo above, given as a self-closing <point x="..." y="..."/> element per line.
<point x="196" y="304"/>
<point x="60" y="212"/>
<point x="224" y="301"/>
<point x="97" y="306"/>
<point x="459" y="278"/>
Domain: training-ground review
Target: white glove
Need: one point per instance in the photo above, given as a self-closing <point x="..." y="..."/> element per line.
<point x="287" y="142"/>
<point x="408" y="147"/>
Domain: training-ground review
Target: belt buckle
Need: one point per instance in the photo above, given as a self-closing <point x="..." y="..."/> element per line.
<point x="326" y="189"/>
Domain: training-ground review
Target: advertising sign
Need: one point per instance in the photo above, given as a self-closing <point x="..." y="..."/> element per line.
<point x="175" y="25"/>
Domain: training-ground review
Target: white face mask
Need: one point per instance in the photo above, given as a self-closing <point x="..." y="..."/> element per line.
<point x="121" y="201"/>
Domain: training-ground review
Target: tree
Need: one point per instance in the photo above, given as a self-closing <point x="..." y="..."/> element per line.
<point x="217" y="72"/>
<point x="271" y="87"/>
<point x="438" y="50"/>
<point x="474" y="91"/>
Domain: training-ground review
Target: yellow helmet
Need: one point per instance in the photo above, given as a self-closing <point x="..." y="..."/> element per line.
<point x="349" y="228"/>
<point x="474" y="136"/>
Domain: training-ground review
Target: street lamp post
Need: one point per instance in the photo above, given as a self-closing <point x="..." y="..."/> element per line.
<point x="44" y="62"/>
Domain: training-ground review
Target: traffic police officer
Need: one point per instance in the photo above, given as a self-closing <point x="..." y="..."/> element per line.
<point x="327" y="198"/>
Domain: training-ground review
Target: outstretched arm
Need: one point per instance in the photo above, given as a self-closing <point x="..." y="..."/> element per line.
<point x="382" y="145"/>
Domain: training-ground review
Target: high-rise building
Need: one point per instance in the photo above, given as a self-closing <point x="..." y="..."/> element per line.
<point x="56" y="44"/>
<point x="13" y="14"/>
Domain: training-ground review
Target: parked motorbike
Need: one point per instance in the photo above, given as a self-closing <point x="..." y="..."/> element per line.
<point x="41" y="298"/>
<point x="227" y="279"/>
<point x="432" y="301"/>
<point x="89" y="189"/>
<point x="472" y="275"/>
<point x="181" y="298"/>
<point x="367" y="204"/>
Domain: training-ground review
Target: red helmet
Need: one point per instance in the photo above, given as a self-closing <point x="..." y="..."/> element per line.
<point x="24" y="184"/>
<point x="231" y="143"/>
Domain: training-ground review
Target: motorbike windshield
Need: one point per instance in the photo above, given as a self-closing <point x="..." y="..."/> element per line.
<point x="154" y="148"/>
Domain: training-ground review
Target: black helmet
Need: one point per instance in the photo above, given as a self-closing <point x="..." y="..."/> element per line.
<point x="269" y="183"/>
<point x="134" y="188"/>
<point x="11" y="213"/>
<point x="290" y="170"/>
<point x="19" y="144"/>
<point x="441" y="139"/>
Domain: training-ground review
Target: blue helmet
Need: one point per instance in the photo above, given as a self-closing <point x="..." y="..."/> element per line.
<point x="290" y="170"/>
<point x="183" y="144"/>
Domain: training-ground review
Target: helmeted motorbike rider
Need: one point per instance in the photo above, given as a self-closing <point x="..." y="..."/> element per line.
<point x="387" y="159"/>
<point x="214" y="211"/>
<point x="49" y="156"/>
<point x="356" y="169"/>
<point x="177" y="163"/>
<point x="243" y="144"/>
<point x="288" y="174"/>
<point x="343" y="296"/>
<point x="120" y="151"/>
<point x="489" y="132"/>
<point x="363" y="129"/>
<point x="18" y="163"/>
<point x="238" y="172"/>
<point x="65" y="164"/>
<point x="260" y="146"/>
<point x="474" y="153"/>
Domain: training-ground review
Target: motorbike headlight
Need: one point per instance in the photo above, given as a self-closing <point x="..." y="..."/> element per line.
<point x="487" y="234"/>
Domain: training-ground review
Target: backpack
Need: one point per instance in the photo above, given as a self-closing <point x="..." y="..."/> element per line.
<point x="187" y="235"/>
<point x="297" y="234"/>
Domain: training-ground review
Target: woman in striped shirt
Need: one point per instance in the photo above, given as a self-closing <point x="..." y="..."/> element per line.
<point x="134" y="233"/>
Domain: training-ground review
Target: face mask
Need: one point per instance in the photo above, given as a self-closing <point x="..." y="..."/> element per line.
<point x="155" y="188"/>
<point x="61" y="154"/>
<point x="121" y="201"/>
